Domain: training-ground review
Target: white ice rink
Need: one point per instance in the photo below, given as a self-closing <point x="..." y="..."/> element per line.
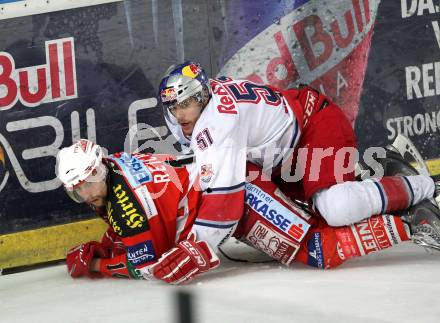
<point x="396" y="285"/>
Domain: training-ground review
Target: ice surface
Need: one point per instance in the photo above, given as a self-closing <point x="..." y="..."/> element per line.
<point x="396" y="285"/>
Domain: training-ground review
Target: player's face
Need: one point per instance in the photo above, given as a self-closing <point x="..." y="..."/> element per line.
<point x="187" y="114"/>
<point x="93" y="193"/>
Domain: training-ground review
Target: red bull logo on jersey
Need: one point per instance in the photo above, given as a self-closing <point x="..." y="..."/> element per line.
<point x="275" y="212"/>
<point x="206" y="173"/>
<point x="53" y="81"/>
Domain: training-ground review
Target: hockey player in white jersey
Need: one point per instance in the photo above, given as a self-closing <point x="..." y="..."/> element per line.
<point x="229" y="122"/>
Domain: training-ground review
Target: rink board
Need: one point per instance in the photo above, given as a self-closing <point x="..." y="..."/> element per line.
<point x="47" y="244"/>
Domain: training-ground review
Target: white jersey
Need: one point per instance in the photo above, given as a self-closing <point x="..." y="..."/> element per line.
<point x="242" y="122"/>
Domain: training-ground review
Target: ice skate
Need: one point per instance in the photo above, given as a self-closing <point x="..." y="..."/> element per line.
<point x="398" y="161"/>
<point x="424" y="222"/>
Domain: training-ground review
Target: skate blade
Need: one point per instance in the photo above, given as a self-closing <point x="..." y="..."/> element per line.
<point x="404" y="145"/>
<point x="426" y="245"/>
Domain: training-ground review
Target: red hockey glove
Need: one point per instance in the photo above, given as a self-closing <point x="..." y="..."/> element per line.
<point x="79" y="258"/>
<point x="185" y="261"/>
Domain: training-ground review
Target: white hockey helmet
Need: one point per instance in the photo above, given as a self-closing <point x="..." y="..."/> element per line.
<point x="180" y="83"/>
<point x="79" y="163"/>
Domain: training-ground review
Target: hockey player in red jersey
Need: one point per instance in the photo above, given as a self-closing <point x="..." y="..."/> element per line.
<point x="149" y="205"/>
<point x="230" y="122"/>
<point x="152" y="208"/>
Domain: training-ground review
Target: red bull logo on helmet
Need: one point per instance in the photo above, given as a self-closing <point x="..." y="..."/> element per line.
<point x="168" y="95"/>
<point x="191" y="70"/>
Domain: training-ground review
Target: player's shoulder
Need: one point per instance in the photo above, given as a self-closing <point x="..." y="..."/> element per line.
<point x="214" y="125"/>
<point x="131" y="165"/>
<point x="222" y="85"/>
<point x="220" y="110"/>
<point x="222" y="105"/>
<point x="233" y="95"/>
<point x="136" y="158"/>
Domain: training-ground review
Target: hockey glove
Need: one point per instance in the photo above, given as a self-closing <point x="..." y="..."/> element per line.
<point x="184" y="262"/>
<point x="79" y="258"/>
